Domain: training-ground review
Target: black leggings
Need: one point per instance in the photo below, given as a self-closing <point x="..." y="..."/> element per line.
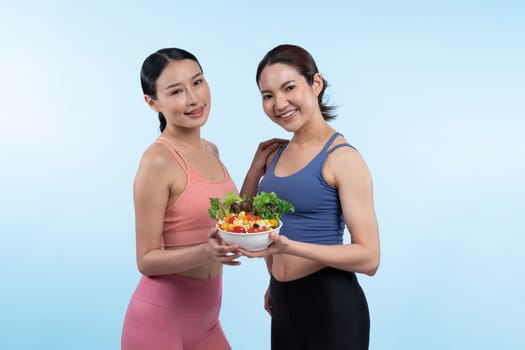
<point x="326" y="310"/>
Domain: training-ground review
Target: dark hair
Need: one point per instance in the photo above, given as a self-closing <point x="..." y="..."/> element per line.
<point x="152" y="68"/>
<point x="301" y="60"/>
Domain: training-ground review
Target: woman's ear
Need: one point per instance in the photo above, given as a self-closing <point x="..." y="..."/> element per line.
<point x="152" y="103"/>
<point x="317" y="83"/>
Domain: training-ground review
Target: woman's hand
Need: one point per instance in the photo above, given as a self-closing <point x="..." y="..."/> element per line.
<point x="279" y="244"/>
<point x="267" y="305"/>
<point x="260" y="159"/>
<point x="258" y="166"/>
<point x="221" y="252"/>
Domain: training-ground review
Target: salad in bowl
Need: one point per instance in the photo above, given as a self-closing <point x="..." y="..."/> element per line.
<point x="248" y="221"/>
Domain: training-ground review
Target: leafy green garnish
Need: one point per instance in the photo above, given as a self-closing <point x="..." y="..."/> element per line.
<point x="266" y="205"/>
<point x="231" y="197"/>
<point x="221" y="208"/>
<point x="216" y="209"/>
<point x="269" y="206"/>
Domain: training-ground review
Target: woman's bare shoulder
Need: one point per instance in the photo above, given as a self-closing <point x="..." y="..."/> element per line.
<point x="211" y="146"/>
<point x="156" y="157"/>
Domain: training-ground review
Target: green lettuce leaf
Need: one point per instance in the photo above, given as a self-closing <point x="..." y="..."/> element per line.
<point x="266" y="205"/>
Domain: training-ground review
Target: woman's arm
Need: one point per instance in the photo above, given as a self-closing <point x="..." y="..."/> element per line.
<point x="347" y="171"/>
<point x="354" y="183"/>
<point x="151" y="192"/>
<point x="262" y="158"/>
<point x="267" y="306"/>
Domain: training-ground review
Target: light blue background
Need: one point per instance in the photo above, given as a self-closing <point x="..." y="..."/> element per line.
<point x="432" y="93"/>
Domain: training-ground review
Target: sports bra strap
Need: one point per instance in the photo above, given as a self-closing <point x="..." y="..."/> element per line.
<point x="329" y="142"/>
<point x="338" y="146"/>
<point x="174" y="152"/>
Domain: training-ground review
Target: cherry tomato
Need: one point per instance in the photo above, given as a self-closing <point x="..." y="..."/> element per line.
<point x="238" y="229"/>
<point x="250" y="217"/>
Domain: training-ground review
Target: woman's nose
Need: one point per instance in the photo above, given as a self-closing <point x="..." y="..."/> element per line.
<point x="191" y="97"/>
<point x="280" y="102"/>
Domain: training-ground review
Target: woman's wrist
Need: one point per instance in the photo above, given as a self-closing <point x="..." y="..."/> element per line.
<point x="288" y="246"/>
<point x="254" y="174"/>
<point x="207" y="251"/>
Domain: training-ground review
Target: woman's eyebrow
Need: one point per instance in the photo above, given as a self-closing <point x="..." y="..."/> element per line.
<point x="177" y="84"/>
<point x="282" y="85"/>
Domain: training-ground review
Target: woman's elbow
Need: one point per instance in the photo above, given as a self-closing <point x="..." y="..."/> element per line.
<point x="148" y="272"/>
<point x="145" y="268"/>
<point x="372" y="267"/>
<point x="142" y="270"/>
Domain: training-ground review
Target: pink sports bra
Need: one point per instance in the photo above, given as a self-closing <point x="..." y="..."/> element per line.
<point x="186" y="221"/>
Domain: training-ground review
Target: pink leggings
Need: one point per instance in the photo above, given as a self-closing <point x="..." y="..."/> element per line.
<point x="175" y="313"/>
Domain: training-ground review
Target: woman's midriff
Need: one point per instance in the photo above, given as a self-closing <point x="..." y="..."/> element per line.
<point x="288" y="267"/>
<point x="204" y="272"/>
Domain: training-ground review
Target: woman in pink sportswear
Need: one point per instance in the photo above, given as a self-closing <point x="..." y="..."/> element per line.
<point x="177" y="301"/>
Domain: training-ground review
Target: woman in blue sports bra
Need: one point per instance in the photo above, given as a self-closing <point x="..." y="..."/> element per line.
<point x="314" y="297"/>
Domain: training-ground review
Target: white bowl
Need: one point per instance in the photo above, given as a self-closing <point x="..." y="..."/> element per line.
<point x="249" y="241"/>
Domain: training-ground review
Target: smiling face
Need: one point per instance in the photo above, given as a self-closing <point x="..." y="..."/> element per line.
<point x="183" y="95"/>
<point x="287" y="97"/>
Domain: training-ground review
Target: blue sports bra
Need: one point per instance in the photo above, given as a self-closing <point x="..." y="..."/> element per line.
<point x="318" y="217"/>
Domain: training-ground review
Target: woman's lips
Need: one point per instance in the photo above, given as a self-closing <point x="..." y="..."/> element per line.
<point x="196" y="113"/>
<point x="287" y="115"/>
